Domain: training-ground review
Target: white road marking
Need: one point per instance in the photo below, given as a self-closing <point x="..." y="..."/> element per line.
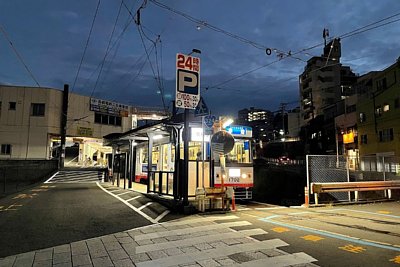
<point x="133" y="198"/>
<point x="145" y="205"/>
<point x="48" y="180"/>
<point x="162" y="215"/>
<point x="129" y="205"/>
<point x="123" y="193"/>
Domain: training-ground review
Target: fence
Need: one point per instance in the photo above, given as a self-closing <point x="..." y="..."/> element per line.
<point x="331" y="168"/>
<point x="16" y="175"/>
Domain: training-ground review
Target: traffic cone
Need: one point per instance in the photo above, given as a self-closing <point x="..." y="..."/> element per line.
<point x="306" y="199"/>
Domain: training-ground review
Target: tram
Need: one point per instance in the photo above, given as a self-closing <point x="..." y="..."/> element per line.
<point x="239" y="164"/>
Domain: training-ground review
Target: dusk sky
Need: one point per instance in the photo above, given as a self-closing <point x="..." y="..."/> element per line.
<point x="50" y="37"/>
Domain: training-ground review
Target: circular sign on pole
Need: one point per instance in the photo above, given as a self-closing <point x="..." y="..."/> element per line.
<point x="222" y="142"/>
<point x="209" y="120"/>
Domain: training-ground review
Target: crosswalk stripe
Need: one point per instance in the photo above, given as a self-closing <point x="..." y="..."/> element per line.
<point x="200" y="219"/>
<point x="190" y="230"/>
<point x="283" y="260"/>
<point x="197" y="240"/>
<point x="213" y="253"/>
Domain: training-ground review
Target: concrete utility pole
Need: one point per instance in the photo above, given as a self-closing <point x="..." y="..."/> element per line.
<point x="283" y="108"/>
<point x="64" y="113"/>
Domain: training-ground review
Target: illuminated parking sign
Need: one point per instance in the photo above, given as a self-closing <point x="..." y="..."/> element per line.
<point x="187" y="81"/>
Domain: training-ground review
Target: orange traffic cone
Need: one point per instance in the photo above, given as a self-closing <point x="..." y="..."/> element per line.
<point x="233" y="201"/>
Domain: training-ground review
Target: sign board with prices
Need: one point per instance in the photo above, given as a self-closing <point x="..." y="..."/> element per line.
<point x="187" y="81"/>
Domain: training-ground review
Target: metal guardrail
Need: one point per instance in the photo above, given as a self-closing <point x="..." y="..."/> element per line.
<point x="317" y="188"/>
<point x="161" y="182"/>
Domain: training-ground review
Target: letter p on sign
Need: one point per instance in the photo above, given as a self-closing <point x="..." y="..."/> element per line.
<point x="188" y="82"/>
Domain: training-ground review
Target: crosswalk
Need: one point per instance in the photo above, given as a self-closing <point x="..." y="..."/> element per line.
<point x="77" y="176"/>
<point x="211" y="241"/>
<point x="220" y="240"/>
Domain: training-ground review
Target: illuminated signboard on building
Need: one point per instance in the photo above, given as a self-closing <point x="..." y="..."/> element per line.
<point x="239" y="131"/>
<point x="348" y="138"/>
<point x="84" y="131"/>
<point x="108" y="107"/>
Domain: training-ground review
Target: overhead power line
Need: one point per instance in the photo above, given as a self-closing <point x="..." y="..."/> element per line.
<point x="86" y="45"/>
<point x="371" y="26"/>
<point x="18" y="55"/>
<point x="107" y="50"/>
<point x="242" y="39"/>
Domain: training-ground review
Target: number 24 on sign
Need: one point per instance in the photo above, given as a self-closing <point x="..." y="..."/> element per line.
<point x="188" y="63"/>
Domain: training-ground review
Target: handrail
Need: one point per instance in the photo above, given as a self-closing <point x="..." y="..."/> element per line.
<point x="317" y="188"/>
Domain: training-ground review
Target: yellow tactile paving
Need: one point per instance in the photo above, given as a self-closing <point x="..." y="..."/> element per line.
<point x="396" y="259"/>
<point x="353" y="249"/>
<point x="313" y="238"/>
<point x="280" y="229"/>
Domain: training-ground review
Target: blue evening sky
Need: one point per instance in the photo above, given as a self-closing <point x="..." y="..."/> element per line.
<point x="50" y="36"/>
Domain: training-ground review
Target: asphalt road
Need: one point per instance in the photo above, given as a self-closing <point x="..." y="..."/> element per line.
<point x="353" y="235"/>
<point x="53" y="214"/>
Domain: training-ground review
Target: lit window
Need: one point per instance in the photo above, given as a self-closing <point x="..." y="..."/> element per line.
<point x="386" y="107"/>
<point x="363" y="118"/>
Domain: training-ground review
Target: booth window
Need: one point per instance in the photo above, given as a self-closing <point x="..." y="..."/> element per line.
<point x="5" y="149"/>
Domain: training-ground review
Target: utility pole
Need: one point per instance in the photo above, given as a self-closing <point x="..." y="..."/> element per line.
<point x="64" y="113"/>
<point x="283" y="108"/>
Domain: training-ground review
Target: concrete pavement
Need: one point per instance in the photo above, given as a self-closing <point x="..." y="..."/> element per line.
<point x="192" y="241"/>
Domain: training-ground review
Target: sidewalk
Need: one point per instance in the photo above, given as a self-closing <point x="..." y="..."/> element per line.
<point x="191" y="241"/>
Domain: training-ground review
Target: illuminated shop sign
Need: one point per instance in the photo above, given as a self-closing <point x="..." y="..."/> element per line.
<point x="239" y="131"/>
<point x="108" y="107"/>
<point x="197" y="135"/>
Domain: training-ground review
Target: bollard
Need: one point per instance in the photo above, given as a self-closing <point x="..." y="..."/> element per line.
<point x="233" y="201"/>
<point x="306" y="198"/>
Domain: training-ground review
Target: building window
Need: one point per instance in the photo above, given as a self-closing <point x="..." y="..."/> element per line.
<point x="363" y="117"/>
<point x="5" y="149"/>
<point x="350" y="109"/>
<point x="364" y="139"/>
<point x="12" y="105"/>
<point x="386" y="135"/>
<point x="386" y="107"/>
<point x="107" y="119"/>
<point x="397" y="103"/>
<point x="37" y="109"/>
<point x="378" y="111"/>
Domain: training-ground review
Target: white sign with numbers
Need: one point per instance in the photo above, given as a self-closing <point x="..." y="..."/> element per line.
<point x="187" y="81"/>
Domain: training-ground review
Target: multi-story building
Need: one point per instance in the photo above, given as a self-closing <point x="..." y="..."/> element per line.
<point x="324" y="82"/>
<point x="30" y="123"/>
<point x="260" y="120"/>
<point x="379" y="114"/>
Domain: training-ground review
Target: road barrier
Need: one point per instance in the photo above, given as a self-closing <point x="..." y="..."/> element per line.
<point x="318" y="188"/>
